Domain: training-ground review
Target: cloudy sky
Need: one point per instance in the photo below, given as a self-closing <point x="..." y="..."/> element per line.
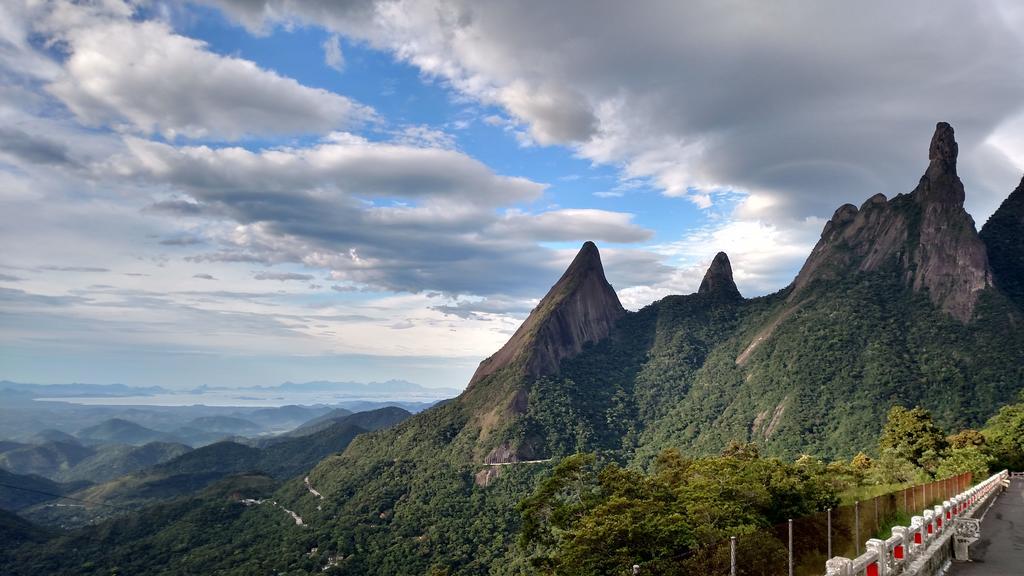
<point x="233" y="192"/>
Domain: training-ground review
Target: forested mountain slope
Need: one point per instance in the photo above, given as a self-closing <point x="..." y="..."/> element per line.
<point x="898" y="303"/>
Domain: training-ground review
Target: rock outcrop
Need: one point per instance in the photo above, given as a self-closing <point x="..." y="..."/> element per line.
<point x="927" y="233"/>
<point x="718" y="280"/>
<point x="1003" y="235"/>
<point x="580" y="308"/>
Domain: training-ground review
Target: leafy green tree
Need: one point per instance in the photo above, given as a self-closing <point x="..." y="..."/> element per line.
<point x="967" y="459"/>
<point x="583" y="521"/>
<point x="966" y="438"/>
<point x="741" y="450"/>
<point x="1004" y="434"/>
<point x="914" y="436"/>
<point x="861" y="462"/>
<point x="892" y="468"/>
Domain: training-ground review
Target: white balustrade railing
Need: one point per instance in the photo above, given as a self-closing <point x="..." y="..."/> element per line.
<point x="890" y="557"/>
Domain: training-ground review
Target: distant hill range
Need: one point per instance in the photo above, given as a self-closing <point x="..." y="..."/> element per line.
<point x="366" y="390"/>
<point x="373" y="391"/>
<point x="280" y="457"/>
<point x="66" y="459"/>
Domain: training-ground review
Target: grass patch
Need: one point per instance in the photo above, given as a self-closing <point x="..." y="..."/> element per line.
<point x="887" y="524"/>
<point x="867" y="492"/>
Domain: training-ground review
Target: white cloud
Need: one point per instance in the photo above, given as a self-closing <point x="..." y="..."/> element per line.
<point x="282" y="276"/>
<point x="149" y="246"/>
<point x="333" y="56"/>
<point x="763" y="257"/>
<point x="424" y="137"/>
<point x="810" y="105"/>
<point x="555" y="114"/>
<point x="347" y="165"/>
<point x="571" y="224"/>
<point x="140" y="76"/>
<point x="373" y="215"/>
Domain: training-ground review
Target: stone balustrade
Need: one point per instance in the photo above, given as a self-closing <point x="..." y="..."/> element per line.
<point x="924" y="547"/>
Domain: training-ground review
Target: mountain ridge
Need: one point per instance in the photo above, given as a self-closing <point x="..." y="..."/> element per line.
<point x="927" y="232"/>
<point x="876" y="318"/>
<point x="1003" y="235"/>
<point x="580" y="308"/>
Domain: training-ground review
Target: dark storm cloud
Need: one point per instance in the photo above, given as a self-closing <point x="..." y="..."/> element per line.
<point x="177" y="208"/>
<point x="34" y="148"/>
<point x="181" y="241"/>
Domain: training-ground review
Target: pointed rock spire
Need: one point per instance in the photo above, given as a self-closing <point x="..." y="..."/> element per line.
<point x="940" y="182"/>
<point x="927" y="233"/>
<point x="718" y="279"/>
<point x="943" y="150"/>
<point x="580" y="308"/>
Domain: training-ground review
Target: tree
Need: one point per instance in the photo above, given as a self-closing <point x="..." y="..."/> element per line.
<point x="914" y="436"/>
<point x="741" y="450"/>
<point x="966" y="438"/>
<point x="1004" y="434"/>
<point x="967" y="459"/>
<point x="581" y="522"/>
<point x="891" y="468"/>
<point x="861" y="462"/>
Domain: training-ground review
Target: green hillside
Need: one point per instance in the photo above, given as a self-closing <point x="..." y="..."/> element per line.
<point x="114" y="460"/>
<point x="120" y="431"/>
<point x="50" y="459"/>
<point x="194" y="470"/>
<point x="19" y="491"/>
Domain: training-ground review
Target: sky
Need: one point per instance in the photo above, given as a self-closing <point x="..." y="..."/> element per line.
<point x="244" y="192"/>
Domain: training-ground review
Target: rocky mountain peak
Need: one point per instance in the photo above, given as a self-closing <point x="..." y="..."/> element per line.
<point x="940" y="182"/>
<point x="587" y="261"/>
<point x="927" y="233"/>
<point x="943" y="150"/>
<point x="718" y="279"/>
<point x="1003" y="235"/>
<point x="580" y="308"/>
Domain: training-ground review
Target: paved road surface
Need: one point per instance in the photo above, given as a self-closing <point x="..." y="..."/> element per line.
<point x="1000" y="551"/>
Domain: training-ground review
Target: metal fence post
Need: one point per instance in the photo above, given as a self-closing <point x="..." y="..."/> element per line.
<point x="790" y="547"/>
<point x="732" y="556"/>
<point x="829" y="534"/>
<point x="856" y="525"/>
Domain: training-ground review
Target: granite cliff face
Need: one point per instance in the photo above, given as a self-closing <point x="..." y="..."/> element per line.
<point x="718" y="280"/>
<point x="1003" y="235"/>
<point x="927" y="233"/>
<point x="580" y="308"/>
